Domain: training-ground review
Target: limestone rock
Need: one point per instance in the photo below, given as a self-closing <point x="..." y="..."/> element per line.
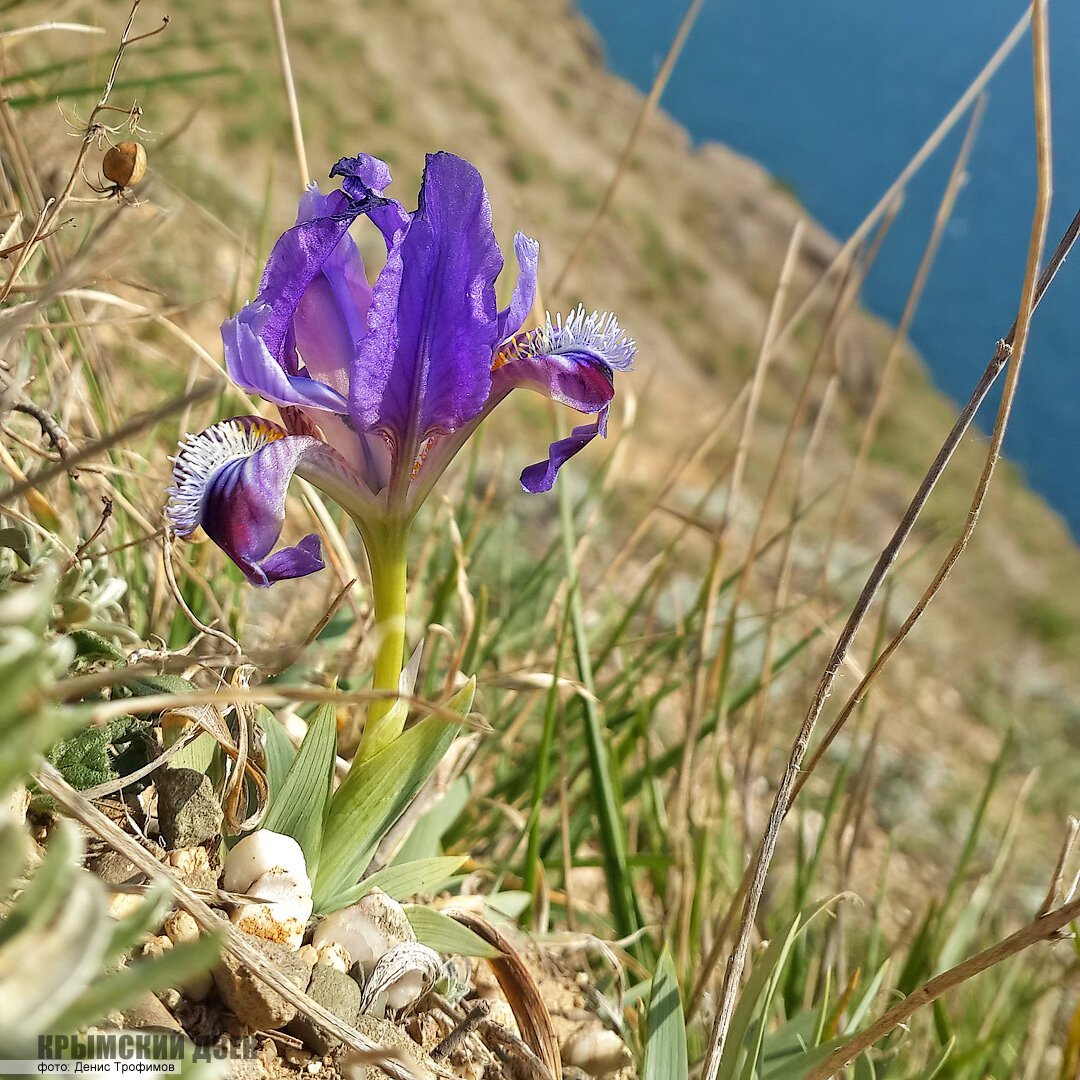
<point x="193" y="867"/>
<point x="188" y="810"/>
<point x="253" y="1003"/>
<point x="383" y="1033"/>
<point x="337" y="993"/>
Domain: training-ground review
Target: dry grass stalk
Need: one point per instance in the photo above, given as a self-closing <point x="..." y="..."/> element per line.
<point x="782" y="801"/>
<point x="94" y="130"/>
<point x="699" y="693"/>
<point x="141" y="422"/>
<point x="970" y="95"/>
<point x="1042" y="928"/>
<point x="104" y="711"/>
<point x="997" y="362"/>
<point x="290" y="92"/>
<point x="956" y="181"/>
<point x="647" y="109"/>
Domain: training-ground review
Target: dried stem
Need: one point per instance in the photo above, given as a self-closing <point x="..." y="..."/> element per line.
<point x="956" y="181"/>
<point x="290" y="92"/>
<point x="103" y="522"/>
<point x="782" y="801"/>
<point x="1042" y="928"/>
<point x="883" y="204"/>
<point x="699" y="695"/>
<point x="392" y="1063"/>
<point x="1071" y="829"/>
<point x="998" y="361"/>
<point x="94" y="129"/>
<point x="647" y="109"/>
<point x="200" y="392"/>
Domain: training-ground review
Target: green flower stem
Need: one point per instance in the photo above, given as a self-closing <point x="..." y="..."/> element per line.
<point x="386" y="550"/>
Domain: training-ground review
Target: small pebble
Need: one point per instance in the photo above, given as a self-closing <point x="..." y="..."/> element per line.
<point x="366" y="930"/>
<point x="596" y="1051"/>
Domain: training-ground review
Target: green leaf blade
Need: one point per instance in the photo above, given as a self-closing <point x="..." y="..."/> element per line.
<point x="665" y="1046"/>
<point x="299" y="808"/>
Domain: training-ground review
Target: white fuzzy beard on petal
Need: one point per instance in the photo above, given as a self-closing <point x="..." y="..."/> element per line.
<point x="598" y="333"/>
<point x="202" y="455"/>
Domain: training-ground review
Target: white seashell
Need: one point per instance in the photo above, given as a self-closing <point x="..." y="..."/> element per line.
<point x="366" y="930"/>
<point x="401" y="977"/>
<point x="272" y="867"/>
<point x="596" y="1051"/>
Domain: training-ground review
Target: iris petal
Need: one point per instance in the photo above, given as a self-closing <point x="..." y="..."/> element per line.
<point x="253" y="367"/>
<point x="330" y="317"/>
<point x="541" y="476"/>
<point x="232" y="480"/>
<point x="425" y="364"/>
<point x="365" y="172"/>
<point x="301" y="253"/>
<point x="512" y="318"/>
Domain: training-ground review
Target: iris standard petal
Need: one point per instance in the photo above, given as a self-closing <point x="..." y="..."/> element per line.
<point x="425" y="364"/>
<point x="330" y="317"/>
<point x="300" y="254"/>
<point x="253" y="367"/>
<point x="365" y="172"/>
<point x="512" y="318"/>
<point x="541" y="476"/>
<point x="232" y="480"/>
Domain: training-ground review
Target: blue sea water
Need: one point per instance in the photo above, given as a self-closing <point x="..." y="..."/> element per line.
<point x="834" y="97"/>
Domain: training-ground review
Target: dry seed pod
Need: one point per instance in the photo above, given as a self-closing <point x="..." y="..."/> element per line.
<point x="124" y="164"/>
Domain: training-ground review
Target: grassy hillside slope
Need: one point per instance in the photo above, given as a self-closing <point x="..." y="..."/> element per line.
<point x="689" y="258"/>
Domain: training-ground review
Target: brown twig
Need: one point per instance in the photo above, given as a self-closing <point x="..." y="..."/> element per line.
<point x="140" y="422"/>
<point x="92" y="132"/>
<point x="50" y="426"/>
<point x="466" y="1026"/>
<point x="784" y="794"/>
<point x="1072" y="827"/>
<point x="9" y="251"/>
<point x="102" y="712"/>
<point x="103" y="521"/>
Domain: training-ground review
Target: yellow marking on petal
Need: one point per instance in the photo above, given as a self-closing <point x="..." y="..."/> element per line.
<point x="519" y="347"/>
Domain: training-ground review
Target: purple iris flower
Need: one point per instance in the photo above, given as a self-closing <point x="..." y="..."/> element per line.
<point x="379" y="386"/>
